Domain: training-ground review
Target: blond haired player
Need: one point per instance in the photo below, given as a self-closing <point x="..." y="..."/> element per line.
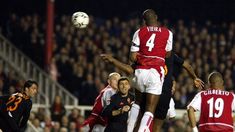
<point x="95" y="122"/>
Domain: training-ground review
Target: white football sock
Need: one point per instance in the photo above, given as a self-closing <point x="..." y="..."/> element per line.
<point x="146" y="122"/>
<point x="134" y="112"/>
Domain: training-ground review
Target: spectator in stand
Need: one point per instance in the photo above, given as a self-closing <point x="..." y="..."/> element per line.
<point x="57" y="109"/>
<point x="41" y="112"/>
<point x="64" y="121"/>
<point x="88" y="88"/>
<point x="56" y="127"/>
<point x="47" y="129"/>
<point x="73" y="116"/>
<point x="79" y="122"/>
<point x="47" y="122"/>
<point x="36" y="123"/>
<point x="72" y="127"/>
<point x="63" y="129"/>
<point x="12" y="89"/>
<point x="53" y="70"/>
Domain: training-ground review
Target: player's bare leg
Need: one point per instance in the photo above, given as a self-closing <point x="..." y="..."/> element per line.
<point x="157" y="125"/>
<point x="151" y="103"/>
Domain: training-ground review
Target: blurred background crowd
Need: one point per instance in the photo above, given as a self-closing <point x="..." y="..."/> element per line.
<point x="76" y="63"/>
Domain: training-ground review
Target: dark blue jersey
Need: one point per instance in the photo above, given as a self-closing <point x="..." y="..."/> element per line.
<point x="174" y="65"/>
<point x="117" y="123"/>
<point x="17" y="107"/>
<point x="177" y="65"/>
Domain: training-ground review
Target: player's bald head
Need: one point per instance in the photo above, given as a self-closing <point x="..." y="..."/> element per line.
<point x="149" y="16"/>
<point x="215" y="79"/>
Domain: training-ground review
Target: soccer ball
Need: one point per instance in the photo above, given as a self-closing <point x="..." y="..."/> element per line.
<point x="80" y="19"/>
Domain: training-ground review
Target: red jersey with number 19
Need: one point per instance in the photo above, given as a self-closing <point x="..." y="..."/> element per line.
<point x="151" y="43"/>
<point x="216" y="108"/>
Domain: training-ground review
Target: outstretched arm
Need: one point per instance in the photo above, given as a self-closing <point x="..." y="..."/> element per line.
<point x="197" y="82"/>
<point x="122" y="66"/>
<point x="189" y="69"/>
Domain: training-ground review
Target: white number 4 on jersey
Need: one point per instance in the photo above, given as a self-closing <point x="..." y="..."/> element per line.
<point x="150" y="42"/>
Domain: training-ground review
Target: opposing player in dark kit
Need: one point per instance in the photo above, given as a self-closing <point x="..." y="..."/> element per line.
<point x="15" y="108"/>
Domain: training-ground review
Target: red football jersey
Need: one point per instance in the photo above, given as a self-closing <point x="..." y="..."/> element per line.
<point x="216" y="108"/>
<point x="102" y="100"/>
<point x="152" y="43"/>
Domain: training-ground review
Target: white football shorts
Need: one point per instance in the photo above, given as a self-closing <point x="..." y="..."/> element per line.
<point x="149" y="80"/>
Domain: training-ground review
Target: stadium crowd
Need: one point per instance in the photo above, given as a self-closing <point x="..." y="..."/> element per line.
<point x="76" y="64"/>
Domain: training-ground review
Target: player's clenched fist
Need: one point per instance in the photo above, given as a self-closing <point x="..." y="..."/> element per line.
<point x="125" y="108"/>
